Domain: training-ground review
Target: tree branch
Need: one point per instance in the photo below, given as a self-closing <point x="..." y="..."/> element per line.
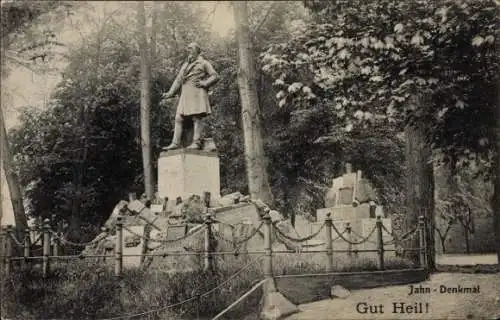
<point x="271" y="8"/>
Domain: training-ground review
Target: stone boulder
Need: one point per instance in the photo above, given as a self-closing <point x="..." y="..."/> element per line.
<point x="119" y="208"/>
<point x="182" y="231"/>
<point x="232" y="198"/>
<point x="337" y="291"/>
<point x="180" y="242"/>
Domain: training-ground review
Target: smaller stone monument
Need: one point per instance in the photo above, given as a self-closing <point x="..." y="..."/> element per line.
<point x="353" y="200"/>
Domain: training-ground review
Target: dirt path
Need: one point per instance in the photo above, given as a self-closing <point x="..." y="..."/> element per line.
<point x="463" y="259"/>
<point x="482" y="305"/>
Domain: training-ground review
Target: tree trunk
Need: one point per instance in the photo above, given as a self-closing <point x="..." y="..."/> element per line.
<point x="256" y="164"/>
<point x="496" y="173"/>
<point x="466" y="235"/>
<point x="145" y="79"/>
<point x="443" y="244"/>
<point x="442" y="239"/>
<point x="12" y="181"/>
<point x="419" y="188"/>
<point x="152" y="45"/>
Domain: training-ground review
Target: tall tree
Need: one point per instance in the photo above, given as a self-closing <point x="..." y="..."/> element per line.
<point x="496" y="193"/>
<point x="255" y="159"/>
<point x="17" y="18"/>
<point x="419" y="185"/>
<point x="145" y="80"/>
<point x="367" y="59"/>
<point x="47" y="145"/>
<point x="11" y="177"/>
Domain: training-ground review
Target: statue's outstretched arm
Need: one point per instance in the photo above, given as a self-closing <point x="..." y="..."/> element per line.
<point x="174" y="88"/>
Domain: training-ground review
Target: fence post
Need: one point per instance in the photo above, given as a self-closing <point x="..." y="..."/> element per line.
<point x="178" y="200"/>
<point x="380" y="243"/>
<point x="57" y="241"/>
<point x="3" y="247"/>
<point x="26" y="246"/>
<point x="3" y="243"/>
<point x="206" y="199"/>
<point x="421" y="236"/>
<point x="184" y="217"/>
<point x="268" y="261"/>
<point x="9" y="233"/>
<point x="165" y="206"/>
<point x="132" y="196"/>
<point x="349" y="238"/>
<point x="55" y="247"/>
<point x="208" y="240"/>
<point x="46" y="247"/>
<point x="329" y="245"/>
<point x="119" y="247"/>
<point x="145" y="245"/>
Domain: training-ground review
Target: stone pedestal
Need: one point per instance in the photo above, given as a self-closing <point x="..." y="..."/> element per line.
<point x="185" y="172"/>
<point x="275" y="305"/>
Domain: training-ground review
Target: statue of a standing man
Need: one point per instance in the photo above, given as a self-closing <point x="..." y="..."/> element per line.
<point x="195" y="77"/>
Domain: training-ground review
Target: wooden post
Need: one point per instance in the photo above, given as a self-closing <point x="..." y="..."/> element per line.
<point x="3" y="243"/>
<point x="421" y="236"/>
<point x="132" y="196"/>
<point x="119" y="247"/>
<point x="54" y="240"/>
<point x="9" y="233"/>
<point x="145" y="244"/>
<point x="268" y="261"/>
<point x="380" y="243"/>
<point x="208" y="240"/>
<point x="349" y="237"/>
<point x="165" y="206"/>
<point x="46" y="247"/>
<point x="55" y="246"/>
<point x="329" y="245"/>
<point x="206" y="199"/>
<point x="26" y="247"/>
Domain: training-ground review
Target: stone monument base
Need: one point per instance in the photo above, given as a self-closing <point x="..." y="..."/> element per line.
<point x="186" y="172"/>
<point x="275" y="305"/>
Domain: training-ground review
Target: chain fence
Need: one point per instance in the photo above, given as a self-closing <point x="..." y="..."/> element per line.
<point x="408" y="236"/>
<point x="293" y="244"/>
<point x="269" y="234"/>
<point x="293" y="239"/>
<point x="58" y="236"/>
<point x="162" y="241"/>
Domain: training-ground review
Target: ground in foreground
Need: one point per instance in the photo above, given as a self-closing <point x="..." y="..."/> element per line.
<point x="482" y="305"/>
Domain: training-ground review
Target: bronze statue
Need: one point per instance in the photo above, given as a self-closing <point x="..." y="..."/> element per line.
<point x="195" y="77"/>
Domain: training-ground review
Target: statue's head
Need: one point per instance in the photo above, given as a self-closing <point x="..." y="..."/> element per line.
<point x="194" y="50"/>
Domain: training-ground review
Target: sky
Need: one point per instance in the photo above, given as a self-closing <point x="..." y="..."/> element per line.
<point x="23" y="87"/>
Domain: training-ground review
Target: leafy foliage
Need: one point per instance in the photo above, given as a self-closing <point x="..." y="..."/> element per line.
<point x="28" y="31"/>
<point x="366" y="59"/>
<point x="84" y="150"/>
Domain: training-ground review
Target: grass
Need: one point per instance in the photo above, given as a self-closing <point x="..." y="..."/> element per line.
<point x="316" y="263"/>
<point x="79" y="290"/>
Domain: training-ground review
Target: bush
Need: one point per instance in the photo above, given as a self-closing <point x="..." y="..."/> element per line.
<point x="79" y="290"/>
